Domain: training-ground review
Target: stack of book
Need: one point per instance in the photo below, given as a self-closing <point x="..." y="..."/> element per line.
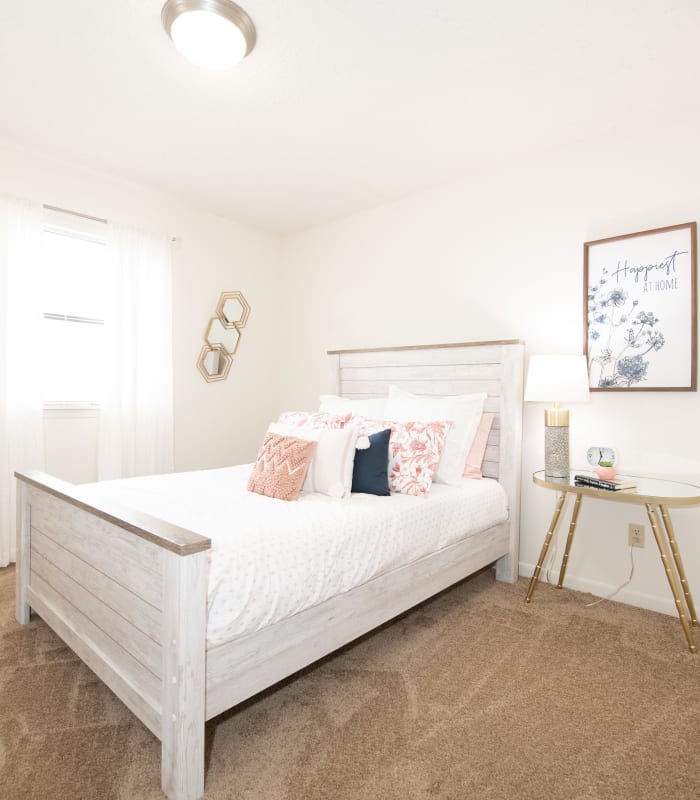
<point x="615" y="485"/>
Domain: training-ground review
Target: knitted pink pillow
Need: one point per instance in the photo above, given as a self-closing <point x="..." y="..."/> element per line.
<point x="281" y="466"/>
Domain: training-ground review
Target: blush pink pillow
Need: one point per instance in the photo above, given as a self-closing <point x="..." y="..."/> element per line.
<point x="281" y="466"/>
<point x="475" y="458"/>
<point x="414" y="451"/>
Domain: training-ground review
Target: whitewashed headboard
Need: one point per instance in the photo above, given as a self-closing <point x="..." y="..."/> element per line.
<point x="446" y="369"/>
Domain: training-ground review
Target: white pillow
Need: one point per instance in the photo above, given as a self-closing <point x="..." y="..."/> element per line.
<point x="464" y="411"/>
<point x="372" y="407"/>
<point x="330" y="471"/>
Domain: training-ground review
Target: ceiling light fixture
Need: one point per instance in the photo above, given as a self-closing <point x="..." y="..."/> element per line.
<point x="214" y="34"/>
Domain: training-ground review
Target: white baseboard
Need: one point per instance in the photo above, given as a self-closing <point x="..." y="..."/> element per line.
<point x="663" y="605"/>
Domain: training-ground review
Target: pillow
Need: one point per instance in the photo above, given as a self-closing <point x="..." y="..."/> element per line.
<point x="464" y="411"/>
<point x="372" y="407"/>
<point x="472" y="469"/>
<point x="281" y="466"/>
<point x="311" y="419"/>
<point x="331" y="469"/>
<point x="414" y="452"/>
<point x="370" y="472"/>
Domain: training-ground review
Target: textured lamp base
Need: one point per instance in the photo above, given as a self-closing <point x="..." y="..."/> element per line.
<point x="556" y="451"/>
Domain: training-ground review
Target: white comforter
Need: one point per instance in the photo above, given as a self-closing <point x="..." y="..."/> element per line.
<point x="271" y="559"/>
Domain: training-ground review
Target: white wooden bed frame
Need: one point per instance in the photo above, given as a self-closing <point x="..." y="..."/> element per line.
<point x="128" y="593"/>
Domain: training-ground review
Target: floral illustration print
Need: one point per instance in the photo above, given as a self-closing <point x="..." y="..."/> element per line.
<point x="621" y="337"/>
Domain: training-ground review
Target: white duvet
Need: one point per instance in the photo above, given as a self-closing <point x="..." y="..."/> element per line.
<point x="271" y="559"/>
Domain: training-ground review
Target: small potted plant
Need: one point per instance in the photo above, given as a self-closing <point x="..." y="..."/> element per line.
<point x="605" y="470"/>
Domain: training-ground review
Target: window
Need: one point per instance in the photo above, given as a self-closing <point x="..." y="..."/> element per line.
<point x="73" y="301"/>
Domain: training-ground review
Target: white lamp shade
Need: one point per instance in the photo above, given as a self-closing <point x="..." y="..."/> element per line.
<point x="557" y="378"/>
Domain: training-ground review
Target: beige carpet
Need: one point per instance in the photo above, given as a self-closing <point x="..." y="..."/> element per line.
<point x="473" y="695"/>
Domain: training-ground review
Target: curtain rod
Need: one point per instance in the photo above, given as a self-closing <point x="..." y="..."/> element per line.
<point x="171" y="239"/>
<point x="74" y="213"/>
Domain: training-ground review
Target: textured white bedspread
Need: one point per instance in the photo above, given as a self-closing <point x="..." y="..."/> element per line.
<point x="271" y="559"/>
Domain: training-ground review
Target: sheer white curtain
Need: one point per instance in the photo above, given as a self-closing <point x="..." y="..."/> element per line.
<point x="136" y="415"/>
<point x="21" y="319"/>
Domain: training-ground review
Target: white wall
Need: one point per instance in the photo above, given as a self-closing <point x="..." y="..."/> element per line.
<point x="215" y="423"/>
<point x="499" y="256"/>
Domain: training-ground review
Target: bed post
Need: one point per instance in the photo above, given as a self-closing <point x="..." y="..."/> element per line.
<point x="509" y="466"/>
<point x="22" y="611"/>
<point x="184" y="675"/>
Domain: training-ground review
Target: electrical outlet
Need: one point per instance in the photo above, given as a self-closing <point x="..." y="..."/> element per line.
<point x="636" y="534"/>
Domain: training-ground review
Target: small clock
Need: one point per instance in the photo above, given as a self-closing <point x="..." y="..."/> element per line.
<point x="594" y="455"/>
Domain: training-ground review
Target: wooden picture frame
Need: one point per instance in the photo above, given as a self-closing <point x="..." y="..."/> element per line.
<point x="639" y="311"/>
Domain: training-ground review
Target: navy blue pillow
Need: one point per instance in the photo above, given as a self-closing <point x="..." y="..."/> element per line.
<point x="370" y="473"/>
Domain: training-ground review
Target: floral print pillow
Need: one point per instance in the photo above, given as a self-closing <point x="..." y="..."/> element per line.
<point x="414" y="451"/>
<point x="317" y="419"/>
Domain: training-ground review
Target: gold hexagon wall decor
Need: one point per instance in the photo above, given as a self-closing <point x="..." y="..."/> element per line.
<point x="233" y="309"/>
<point x="223" y="335"/>
<point x="214" y="363"/>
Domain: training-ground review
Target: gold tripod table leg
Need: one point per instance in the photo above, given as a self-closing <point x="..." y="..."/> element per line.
<point x="670" y="575"/>
<point x="569" y="539"/>
<point x="545" y="546"/>
<point x="679" y="564"/>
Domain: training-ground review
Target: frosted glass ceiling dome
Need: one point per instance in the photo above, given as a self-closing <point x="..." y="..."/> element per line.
<point x="213" y="34"/>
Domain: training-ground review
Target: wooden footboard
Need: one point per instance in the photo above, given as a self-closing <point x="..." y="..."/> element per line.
<point x="128" y="594"/>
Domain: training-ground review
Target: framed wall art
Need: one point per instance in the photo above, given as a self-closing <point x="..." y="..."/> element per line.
<point x="640" y="323"/>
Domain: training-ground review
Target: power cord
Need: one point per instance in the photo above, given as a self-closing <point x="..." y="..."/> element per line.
<point x="619" y="588"/>
<point x="551" y="557"/>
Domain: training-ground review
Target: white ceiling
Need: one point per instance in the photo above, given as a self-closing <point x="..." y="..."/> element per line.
<point x="342" y="105"/>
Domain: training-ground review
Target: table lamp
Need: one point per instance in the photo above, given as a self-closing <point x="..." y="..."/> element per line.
<point x="557" y="379"/>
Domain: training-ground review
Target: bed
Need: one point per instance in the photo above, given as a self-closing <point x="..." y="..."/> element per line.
<point x="88" y="567"/>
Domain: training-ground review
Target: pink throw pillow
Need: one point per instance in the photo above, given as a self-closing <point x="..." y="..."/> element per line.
<point x="281" y="466"/>
<point x="472" y="466"/>
<point x="414" y="451"/>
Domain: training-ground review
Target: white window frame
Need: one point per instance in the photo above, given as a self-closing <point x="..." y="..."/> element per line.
<point x="91" y="229"/>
